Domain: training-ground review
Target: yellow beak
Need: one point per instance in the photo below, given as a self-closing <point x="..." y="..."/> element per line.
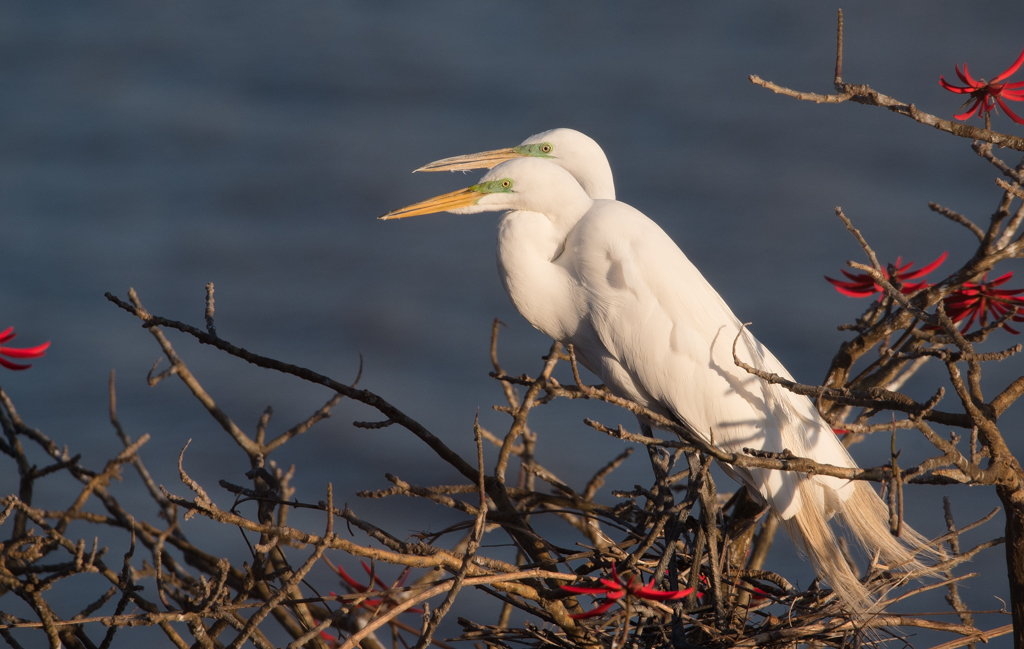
<point x="484" y="160"/>
<point x="444" y="202"/>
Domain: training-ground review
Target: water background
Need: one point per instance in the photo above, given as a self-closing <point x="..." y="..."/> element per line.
<point x="165" y="145"/>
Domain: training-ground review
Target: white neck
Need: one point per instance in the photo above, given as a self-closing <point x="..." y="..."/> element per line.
<point x="529" y="247"/>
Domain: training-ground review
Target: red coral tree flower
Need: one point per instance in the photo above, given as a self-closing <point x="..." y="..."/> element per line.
<point x="977" y="301"/>
<point x="900" y="276"/>
<point x="985" y="95"/>
<point x="370" y="603"/>
<point x="615" y="589"/>
<point x="18" y="352"/>
<point x="332" y="640"/>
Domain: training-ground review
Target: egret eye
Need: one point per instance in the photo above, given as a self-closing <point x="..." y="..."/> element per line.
<point x="503" y="186"/>
<point x="546" y="148"/>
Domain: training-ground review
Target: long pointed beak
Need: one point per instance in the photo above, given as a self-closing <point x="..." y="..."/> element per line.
<point x="484" y="160"/>
<point x="449" y="201"/>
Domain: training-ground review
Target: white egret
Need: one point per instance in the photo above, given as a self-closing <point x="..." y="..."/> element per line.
<point x="575" y="152"/>
<point x="602" y="276"/>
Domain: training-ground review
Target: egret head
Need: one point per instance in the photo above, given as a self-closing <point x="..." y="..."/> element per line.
<point x="578" y="154"/>
<point x="524" y="184"/>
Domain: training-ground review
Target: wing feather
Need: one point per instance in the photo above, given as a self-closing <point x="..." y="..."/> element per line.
<point x="668" y="338"/>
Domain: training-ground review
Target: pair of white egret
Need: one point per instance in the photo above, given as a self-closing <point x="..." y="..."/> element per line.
<point x="588" y="270"/>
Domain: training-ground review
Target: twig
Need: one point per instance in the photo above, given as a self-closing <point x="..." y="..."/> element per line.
<point x="209" y="310"/>
<point x="958" y="218"/>
<point x="442" y="587"/>
<point x="296" y="577"/>
<point x="839" y="49"/>
<point x="864" y="94"/>
<point x="895" y="489"/>
<point x="474" y="545"/>
<point x="147" y="479"/>
<point x="984" y="636"/>
<point x="1013" y="189"/>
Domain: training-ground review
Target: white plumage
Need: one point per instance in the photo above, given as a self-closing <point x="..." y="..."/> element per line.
<point x="604" y="277"/>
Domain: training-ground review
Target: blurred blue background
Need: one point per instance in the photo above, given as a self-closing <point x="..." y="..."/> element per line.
<point x="165" y="145"/>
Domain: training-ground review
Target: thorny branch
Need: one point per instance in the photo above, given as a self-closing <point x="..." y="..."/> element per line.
<point x="652" y="524"/>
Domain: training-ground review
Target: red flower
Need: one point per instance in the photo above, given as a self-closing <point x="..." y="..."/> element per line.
<point x="985" y="95"/>
<point x="863" y="285"/>
<point x="976" y="301"/>
<point x="18" y="352"/>
<point x="332" y="640"/>
<point x="372" y="604"/>
<point x="615" y="589"/>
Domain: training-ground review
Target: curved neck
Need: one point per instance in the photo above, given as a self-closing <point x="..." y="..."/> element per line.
<point x="602" y="187"/>
<point x="529" y="245"/>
